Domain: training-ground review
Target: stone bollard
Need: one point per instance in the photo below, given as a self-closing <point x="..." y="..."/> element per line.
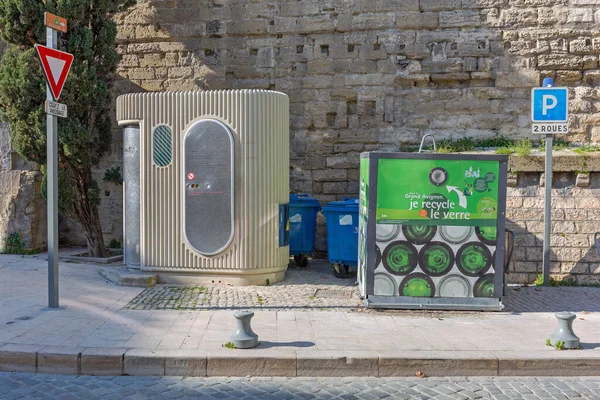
<point x="244" y="338"/>
<point x="565" y="333"/>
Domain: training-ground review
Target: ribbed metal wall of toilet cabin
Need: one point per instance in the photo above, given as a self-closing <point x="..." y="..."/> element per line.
<point x="258" y="121"/>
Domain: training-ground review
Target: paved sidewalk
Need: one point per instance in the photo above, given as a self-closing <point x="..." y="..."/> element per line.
<point x="95" y="334"/>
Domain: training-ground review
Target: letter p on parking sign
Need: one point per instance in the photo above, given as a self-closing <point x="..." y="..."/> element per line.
<point x="549" y="105"/>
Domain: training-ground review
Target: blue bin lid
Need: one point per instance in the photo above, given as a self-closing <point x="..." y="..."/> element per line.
<point x="347" y="205"/>
<point x="302" y="200"/>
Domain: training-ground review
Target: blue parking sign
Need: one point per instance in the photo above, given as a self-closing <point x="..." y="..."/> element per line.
<point x="549" y="104"/>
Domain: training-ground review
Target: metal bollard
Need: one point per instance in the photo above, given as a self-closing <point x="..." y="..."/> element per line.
<point x="565" y="333"/>
<point x="244" y="337"/>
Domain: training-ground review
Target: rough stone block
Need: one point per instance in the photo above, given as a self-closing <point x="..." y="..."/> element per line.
<point x="335" y="187"/>
<point x="548" y="363"/>
<point x="417" y="20"/>
<point x="140" y="362"/>
<point x="185" y="363"/>
<point x="459" y="19"/>
<point x="19" y="357"/>
<point x="337" y="363"/>
<point x="250" y="363"/>
<point x="439" y="5"/>
<point x="102" y="361"/>
<point x="565" y="254"/>
<point x="438" y="363"/>
<point x="330" y="175"/>
<point x="560" y="61"/>
<point x="59" y="360"/>
<point x="587" y="203"/>
<point x="512" y="179"/>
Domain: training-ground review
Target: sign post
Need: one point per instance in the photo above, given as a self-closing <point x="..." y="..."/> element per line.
<point x="549" y="116"/>
<point x="56" y="65"/>
<point x="52" y="185"/>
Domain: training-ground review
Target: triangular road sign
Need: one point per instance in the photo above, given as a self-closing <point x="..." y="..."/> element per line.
<point x="56" y="65"/>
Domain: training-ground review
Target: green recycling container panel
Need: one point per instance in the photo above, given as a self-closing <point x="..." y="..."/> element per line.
<point x="428" y="228"/>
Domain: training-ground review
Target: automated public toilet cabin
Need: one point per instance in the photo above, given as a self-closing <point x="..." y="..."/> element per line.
<point x="206" y="185"/>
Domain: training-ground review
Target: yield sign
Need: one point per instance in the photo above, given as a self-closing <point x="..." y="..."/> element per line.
<point x="56" y="65"/>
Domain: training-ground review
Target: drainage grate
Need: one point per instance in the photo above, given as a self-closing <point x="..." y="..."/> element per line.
<point x="333" y="294"/>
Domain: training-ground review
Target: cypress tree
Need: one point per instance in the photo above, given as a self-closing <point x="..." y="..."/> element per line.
<point x="85" y="136"/>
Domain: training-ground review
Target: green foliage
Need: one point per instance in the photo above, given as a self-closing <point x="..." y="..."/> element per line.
<point x="229" y="345"/>
<point x="557" y="144"/>
<point x="539" y="281"/>
<point x="559" y="345"/>
<point x="113" y="175"/>
<point x="13" y="244"/>
<point x="114" y="244"/>
<point x="463" y="144"/>
<point x="505" y="150"/>
<point x="499" y="141"/>
<point x="443" y="148"/>
<point x="523" y="147"/>
<point x="85" y="136"/>
<point x="548" y="342"/>
<point x="588" y="148"/>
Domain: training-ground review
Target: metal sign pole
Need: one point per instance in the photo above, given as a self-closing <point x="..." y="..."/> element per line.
<point x="547" y="210"/>
<point x="547" y="201"/>
<point x="52" y="187"/>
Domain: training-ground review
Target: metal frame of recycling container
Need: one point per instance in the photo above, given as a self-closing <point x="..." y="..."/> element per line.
<point x="370" y="259"/>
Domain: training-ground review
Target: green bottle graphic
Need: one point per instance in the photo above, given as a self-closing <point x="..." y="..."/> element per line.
<point x="484" y="287"/>
<point x="419" y="234"/>
<point x="417" y="285"/>
<point x="400" y="257"/>
<point x="436" y="258"/>
<point x="473" y="259"/>
<point x="487" y="234"/>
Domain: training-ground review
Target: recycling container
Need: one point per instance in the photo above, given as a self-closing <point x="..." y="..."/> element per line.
<point x="429" y="230"/>
<point x="303" y="221"/>
<point x="342" y="235"/>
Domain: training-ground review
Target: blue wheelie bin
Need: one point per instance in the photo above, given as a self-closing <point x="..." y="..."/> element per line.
<point x="303" y="224"/>
<point x="342" y="235"/>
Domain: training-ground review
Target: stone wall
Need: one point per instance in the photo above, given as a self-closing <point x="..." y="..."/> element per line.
<point x="22" y="209"/>
<point x="575" y="217"/>
<point x="372" y="74"/>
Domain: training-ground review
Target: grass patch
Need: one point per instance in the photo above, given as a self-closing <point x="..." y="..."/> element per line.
<point x="505" y="150"/>
<point x="567" y="282"/>
<point x="463" y="144"/>
<point x="588" y="148"/>
<point x="523" y="147"/>
<point x="229" y="345"/>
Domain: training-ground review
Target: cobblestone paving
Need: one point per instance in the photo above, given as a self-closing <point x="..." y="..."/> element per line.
<point x="552" y="299"/>
<point x="31" y="386"/>
<point x="312" y="287"/>
<point x="315" y="287"/>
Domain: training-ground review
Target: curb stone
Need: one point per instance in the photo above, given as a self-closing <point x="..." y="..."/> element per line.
<point x="291" y="363"/>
